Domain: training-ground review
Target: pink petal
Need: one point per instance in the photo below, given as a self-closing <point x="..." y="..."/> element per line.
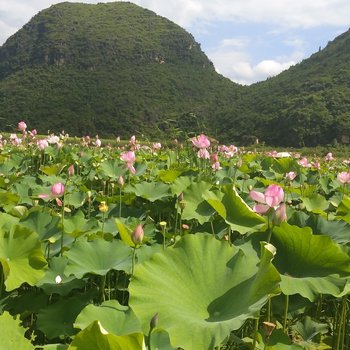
<point x="257" y="196"/>
<point x="43" y="195"/>
<point x="261" y="208"/>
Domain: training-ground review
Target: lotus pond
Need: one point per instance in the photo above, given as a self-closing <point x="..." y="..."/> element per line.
<point x="197" y="246"/>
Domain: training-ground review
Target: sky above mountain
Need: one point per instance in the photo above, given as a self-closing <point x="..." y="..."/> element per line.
<point x="248" y="41"/>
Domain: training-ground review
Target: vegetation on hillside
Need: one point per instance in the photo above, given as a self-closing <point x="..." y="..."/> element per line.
<point x="118" y="69"/>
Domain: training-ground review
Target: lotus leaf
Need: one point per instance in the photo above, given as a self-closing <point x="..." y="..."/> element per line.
<point x="309" y="264"/>
<point x="21" y="257"/>
<point x="113" y="317"/>
<point x="201" y="289"/>
<point x="97" y="257"/>
<point x="95" y="337"/>
<point x="12" y="334"/>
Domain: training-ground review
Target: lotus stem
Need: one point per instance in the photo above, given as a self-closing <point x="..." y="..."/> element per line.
<point x="342" y="325"/>
<point x="1" y="279"/>
<point x="133" y="261"/>
<point x="256" y="329"/>
<point x="286" y="306"/>
<point x="62" y="228"/>
<point x="102" y="287"/>
<point x="120" y="202"/>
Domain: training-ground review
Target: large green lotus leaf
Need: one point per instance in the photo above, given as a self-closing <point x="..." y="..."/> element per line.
<point x="12" y="334"/>
<point x="75" y="199"/>
<point x="284" y="165"/>
<point x="201" y="289"/>
<point x="151" y="191"/>
<point x="95" y="337"/>
<point x="231" y="207"/>
<point x="338" y="230"/>
<point x="56" y="320"/>
<point x="170" y="175"/>
<point x="195" y="205"/>
<point x="21" y="257"/>
<point x="112" y="168"/>
<point x="343" y="210"/>
<point x="41" y="221"/>
<point x="7" y="221"/>
<point x="180" y="184"/>
<point x="76" y="224"/>
<point x="315" y="203"/>
<point x="8" y="200"/>
<point x="67" y="283"/>
<point x="26" y="302"/>
<point x="113" y="317"/>
<point x="309" y="265"/>
<point x="97" y="257"/>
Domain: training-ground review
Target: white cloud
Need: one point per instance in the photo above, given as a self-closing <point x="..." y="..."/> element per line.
<point x="231" y="59"/>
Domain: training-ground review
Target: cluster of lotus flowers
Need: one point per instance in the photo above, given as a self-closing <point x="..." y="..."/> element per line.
<point x="201" y="143"/>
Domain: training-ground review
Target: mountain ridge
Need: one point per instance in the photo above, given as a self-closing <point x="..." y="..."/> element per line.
<point x="116" y="69"/>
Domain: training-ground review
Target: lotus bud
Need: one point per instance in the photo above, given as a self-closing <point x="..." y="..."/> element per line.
<point x="181" y="201"/>
<point x="137" y="235"/>
<point x="154" y="321"/>
<point x="103" y="207"/>
<point x="58" y="279"/>
<point x="71" y="170"/>
<point x="120" y="181"/>
<point x="57" y="189"/>
<point x="279" y="215"/>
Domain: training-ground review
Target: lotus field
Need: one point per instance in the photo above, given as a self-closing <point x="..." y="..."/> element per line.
<point x="196" y="246"/>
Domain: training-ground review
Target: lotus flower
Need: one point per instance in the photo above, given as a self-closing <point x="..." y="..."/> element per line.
<point x="129" y="158"/>
<point x="201" y="141"/>
<point x="291" y="175"/>
<point x="22" y="126"/>
<point x="57" y="190"/>
<point x="344" y="177"/>
<point x="272" y="198"/>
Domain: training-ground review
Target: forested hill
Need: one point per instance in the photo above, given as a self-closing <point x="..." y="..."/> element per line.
<point x="110" y="68"/>
<point x="309" y="103"/>
<point x="118" y="69"/>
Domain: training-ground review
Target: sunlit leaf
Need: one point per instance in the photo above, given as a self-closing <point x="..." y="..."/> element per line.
<point x="97" y="257"/>
<point x="201" y="289"/>
<point x="231" y="207"/>
<point x="12" y="334"/>
<point x="95" y="337"/>
<point x="309" y="264"/>
<point x="113" y="317"/>
<point x="21" y="257"/>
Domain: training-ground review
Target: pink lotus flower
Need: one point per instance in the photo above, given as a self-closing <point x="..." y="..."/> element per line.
<point x="22" y="126"/>
<point x="201" y="141"/>
<point x="42" y="144"/>
<point x="304" y="163"/>
<point x="272" y="198"/>
<point x="329" y="156"/>
<point x="57" y="190"/>
<point x="344" y="177"/>
<point x="291" y="175"/>
<point x="203" y="153"/>
<point x="98" y="142"/>
<point x="129" y="158"/>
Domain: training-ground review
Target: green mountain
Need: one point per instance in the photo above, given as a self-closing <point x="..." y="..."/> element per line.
<point x="118" y="69"/>
<point x="308" y="104"/>
<point x="111" y="69"/>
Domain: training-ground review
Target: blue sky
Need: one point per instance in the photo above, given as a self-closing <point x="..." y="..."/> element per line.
<point x="247" y="40"/>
